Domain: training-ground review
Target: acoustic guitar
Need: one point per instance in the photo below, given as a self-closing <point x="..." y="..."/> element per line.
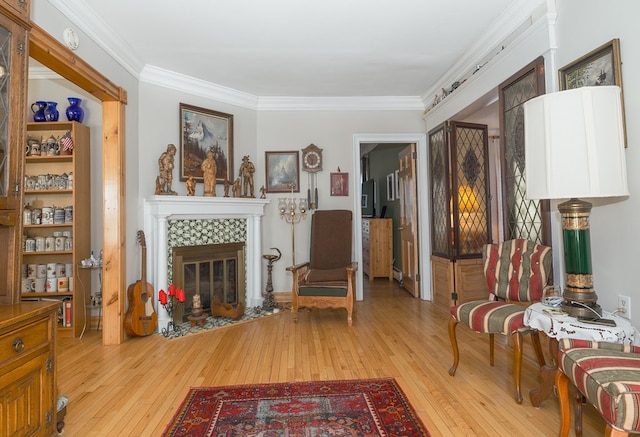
<point x="141" y="318"/>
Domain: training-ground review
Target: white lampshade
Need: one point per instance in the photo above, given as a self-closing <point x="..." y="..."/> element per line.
<point x="574" y="144"/>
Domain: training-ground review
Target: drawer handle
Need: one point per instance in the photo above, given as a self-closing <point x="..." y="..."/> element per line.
<point x="18" y="345"/>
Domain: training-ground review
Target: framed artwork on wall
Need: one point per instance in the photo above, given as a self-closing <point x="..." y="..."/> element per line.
<point x="203" y="130"/>
<point x="396" y="175"/>
<point x="339" y="184"/>
<point x="601" y="66"/>
<point x="391" y="186"/>
<point x="282" y="171"/>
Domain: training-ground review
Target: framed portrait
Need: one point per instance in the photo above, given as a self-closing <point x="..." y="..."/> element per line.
<point x="282" y="170"/>
<point x="339" y="184"/>
<point x="601" y="66"/>
<point x="396" y="175"/>
<point x="391" y="187"/>
<point x="204" y="130"/>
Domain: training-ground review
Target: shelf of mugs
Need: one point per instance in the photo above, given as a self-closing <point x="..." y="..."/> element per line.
<point x="48" y="158"/>
<point x="49" y="182"/>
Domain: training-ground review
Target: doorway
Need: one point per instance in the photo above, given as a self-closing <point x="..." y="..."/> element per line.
<point x="419" y="139"/>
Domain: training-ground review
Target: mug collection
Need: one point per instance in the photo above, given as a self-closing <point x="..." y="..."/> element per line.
<point x="50" y="277"/>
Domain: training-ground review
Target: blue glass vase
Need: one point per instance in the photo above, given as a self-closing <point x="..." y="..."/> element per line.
<point x="38" y="111"/>
<point x="51" y="112"/>
<point x="74" y="111"/>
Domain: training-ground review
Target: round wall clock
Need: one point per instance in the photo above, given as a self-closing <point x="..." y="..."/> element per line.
<point x="312" y="159"/>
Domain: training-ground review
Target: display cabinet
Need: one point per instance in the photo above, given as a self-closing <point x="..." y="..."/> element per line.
<point x="57" y="219"/>
<point x="13" y="64"/>
<point x="377" y="248"/>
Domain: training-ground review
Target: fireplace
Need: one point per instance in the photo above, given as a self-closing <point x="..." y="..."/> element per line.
<point x="211" y="270"/>
<point x="159" y="211"/>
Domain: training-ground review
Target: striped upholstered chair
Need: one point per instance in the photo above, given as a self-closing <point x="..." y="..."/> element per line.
<point x="608" y="376"/>
<point x="516" y="272"/>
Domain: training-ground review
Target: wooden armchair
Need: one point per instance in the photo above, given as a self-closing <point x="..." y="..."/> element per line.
<point x="516" y="272"/>
<point x="327" y="280"/>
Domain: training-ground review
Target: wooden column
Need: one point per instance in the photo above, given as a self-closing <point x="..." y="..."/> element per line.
<point x="114" y="223"/>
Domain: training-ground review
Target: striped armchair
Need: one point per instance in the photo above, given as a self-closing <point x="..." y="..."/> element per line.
<point x="516" y="272"/>
<point x="608" y="376"/>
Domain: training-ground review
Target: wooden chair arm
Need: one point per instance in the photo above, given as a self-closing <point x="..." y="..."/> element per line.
<point x="297" y="267"/>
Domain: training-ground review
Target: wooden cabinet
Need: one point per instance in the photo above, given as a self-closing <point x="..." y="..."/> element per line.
<point x="60" y="184"/>
<point x="28" y="369"/>
<point x="13" y="64"/>
<point x="377" y="248"/>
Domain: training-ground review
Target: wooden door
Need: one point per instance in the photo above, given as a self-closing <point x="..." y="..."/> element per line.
<point x="408" y="219"/>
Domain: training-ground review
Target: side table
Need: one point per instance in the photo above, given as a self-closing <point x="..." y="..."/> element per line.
<point x="564" y="326"/>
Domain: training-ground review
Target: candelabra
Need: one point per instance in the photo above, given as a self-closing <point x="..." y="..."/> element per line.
<point x="169" y="302"/>
<point x="289" y="214"/>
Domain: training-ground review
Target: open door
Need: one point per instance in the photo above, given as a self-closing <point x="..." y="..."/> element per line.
<point x="408" y="219"/>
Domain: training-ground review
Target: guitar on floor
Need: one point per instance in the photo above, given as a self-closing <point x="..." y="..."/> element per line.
<point x="141" y="318"/>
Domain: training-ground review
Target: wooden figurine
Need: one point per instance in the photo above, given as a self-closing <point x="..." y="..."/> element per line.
<point x="165" y="166"/>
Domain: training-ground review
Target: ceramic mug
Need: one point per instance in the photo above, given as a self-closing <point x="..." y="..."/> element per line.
<point x="51" y="285"/>
<point x="41" y="271"/>
<point x="39" y="285"/>
<point x="32" y="270"/>
<point x="30" y="245"/>
<point x="51" y="270"/>
<point x="27" y="285"/>
<point x="63" y="284"/>
<point x="40" y="241"/>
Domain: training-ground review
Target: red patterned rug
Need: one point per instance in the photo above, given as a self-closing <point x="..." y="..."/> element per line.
<point x="363" y="407"/>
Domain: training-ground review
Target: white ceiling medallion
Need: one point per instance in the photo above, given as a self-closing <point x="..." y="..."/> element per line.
<point x="71" y="38"/>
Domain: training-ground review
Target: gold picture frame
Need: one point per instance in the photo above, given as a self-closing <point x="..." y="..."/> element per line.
<point x="601" y="66"/>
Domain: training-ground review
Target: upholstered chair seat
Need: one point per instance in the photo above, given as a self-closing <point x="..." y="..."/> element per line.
<point x="608" y="376"/>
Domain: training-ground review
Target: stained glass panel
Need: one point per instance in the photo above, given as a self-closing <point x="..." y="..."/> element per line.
<point x="5" y="62"/>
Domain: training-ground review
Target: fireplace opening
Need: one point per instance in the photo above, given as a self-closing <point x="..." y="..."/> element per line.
<point x="209" y="270"/>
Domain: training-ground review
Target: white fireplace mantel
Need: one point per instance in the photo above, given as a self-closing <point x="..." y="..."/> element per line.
<point x="159" y="209"/>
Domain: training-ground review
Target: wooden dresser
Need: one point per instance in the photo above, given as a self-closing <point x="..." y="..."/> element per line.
<point x="377" y="248"/>
<point x="28" y="369"/>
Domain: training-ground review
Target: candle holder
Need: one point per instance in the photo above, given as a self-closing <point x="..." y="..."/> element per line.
<point x="169" y="302"/>
<point x="269" y="302"/>
<point x="288" y="213"/>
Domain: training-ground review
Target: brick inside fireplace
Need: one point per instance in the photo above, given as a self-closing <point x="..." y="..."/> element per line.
<point x="209" y="270"/>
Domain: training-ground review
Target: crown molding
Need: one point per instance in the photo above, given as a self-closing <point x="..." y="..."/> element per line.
<point x="85" y="19"/>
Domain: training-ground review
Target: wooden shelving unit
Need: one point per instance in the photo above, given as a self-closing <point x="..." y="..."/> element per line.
<point x="78" y="196"/>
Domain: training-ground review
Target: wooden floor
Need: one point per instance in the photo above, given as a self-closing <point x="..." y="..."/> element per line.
<point x="133" y="389"/>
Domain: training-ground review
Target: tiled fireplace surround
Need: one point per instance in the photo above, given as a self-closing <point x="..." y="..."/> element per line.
<point x="202" y="220"/>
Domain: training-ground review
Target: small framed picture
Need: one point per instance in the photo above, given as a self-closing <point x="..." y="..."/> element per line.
<point x="397" y="191"/>
<point x="391" y="187"/>
<point x="339" y="184"/>
<point x="282" y="172"/>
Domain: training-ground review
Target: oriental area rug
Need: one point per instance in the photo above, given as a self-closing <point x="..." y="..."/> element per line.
<point x="363" y="407"/>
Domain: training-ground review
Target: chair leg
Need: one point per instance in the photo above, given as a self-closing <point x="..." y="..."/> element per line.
<point x="454" y="345"/>
<point x="577" y="411"/>
<point x="517" y="365"/>
<point x="491" y="349"/>
<point x="535" y="339"/>
<point x="562" y="383"/>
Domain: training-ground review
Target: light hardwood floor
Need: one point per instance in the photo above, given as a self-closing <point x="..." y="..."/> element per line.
<point x="133" y="389"/>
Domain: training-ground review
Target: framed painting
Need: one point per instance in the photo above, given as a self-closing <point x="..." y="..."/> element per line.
<point x="203" y="130"/>
<point x="339" y="184"/>
<point x="282" y="171"/>
<point x="601" y="66"/>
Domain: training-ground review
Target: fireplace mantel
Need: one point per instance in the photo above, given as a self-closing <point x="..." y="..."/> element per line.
<point x="159" y="209"/>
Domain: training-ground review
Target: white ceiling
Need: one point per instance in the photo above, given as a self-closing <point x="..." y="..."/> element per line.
<point x="295" y="48"/>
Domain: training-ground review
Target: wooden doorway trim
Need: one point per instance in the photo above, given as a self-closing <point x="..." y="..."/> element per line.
<point x="55" y="56"/>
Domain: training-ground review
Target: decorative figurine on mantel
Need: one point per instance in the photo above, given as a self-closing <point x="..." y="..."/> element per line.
<point x="191" y="186"/>
<point x="227" y="185"/>
<point x="236" y="188"/>
<point x="209" y="170"/>
<point x="165" y="165"/>
<point x="263" y="190"/>
<point x="247" y="169"/>
<point x="268" y="303"/>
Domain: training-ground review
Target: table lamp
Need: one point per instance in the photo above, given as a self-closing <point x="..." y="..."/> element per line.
<point x="574" y="148"/>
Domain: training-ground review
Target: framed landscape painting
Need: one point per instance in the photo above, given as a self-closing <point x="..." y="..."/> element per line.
<point x="601" y="66"/>
<point x="282" y="171"/>
<point x="203" y="130"/>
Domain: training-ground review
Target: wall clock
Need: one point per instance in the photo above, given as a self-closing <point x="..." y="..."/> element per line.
<point x="312" y="164"/>
<point x="312" y="158"/>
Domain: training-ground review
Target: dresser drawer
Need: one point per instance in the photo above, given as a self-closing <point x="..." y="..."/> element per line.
<point x="24" y="339"/>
